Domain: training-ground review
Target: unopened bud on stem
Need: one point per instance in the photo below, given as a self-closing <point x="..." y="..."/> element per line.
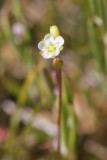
<point x="57" y="62"/>
<point x="54" y="31"/>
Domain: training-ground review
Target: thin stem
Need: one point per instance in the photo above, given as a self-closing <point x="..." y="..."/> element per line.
<point x="59" y="113"/>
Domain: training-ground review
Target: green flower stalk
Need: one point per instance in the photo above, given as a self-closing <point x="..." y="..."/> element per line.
<point x="50" y="47"/>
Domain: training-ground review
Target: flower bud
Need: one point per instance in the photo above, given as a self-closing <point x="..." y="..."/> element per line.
<point x="57" y="62"/>
<point x="54" y="31"/>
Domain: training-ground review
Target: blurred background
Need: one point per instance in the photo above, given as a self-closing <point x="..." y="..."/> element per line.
<point x="29" y="87"/>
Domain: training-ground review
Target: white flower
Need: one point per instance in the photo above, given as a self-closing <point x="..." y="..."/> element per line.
<point x="50" y="47"/>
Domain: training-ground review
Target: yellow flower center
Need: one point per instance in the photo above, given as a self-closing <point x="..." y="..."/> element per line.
<point x="51" y="48"/>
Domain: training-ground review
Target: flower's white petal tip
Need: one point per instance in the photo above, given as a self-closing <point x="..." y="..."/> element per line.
<point x="59" y="41"/>
<point x="57" y="53"/>
<point x="46" y="55"/>
<point x="48" y="36"/>
<point x="41" y="45"/>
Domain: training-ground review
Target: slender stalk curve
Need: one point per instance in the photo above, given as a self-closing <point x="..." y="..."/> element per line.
<point x="59" y="113"/>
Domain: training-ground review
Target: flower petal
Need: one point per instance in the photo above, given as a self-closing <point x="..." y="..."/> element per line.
<point x="41" y="45"/>
<point x="59" y="41"/>
<point x="48" y="36"/>
<point x="52" y="40"/>
<point x="56" y="53"/>
<point x="49" y="39"/>
<point x="46" y="55"/>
